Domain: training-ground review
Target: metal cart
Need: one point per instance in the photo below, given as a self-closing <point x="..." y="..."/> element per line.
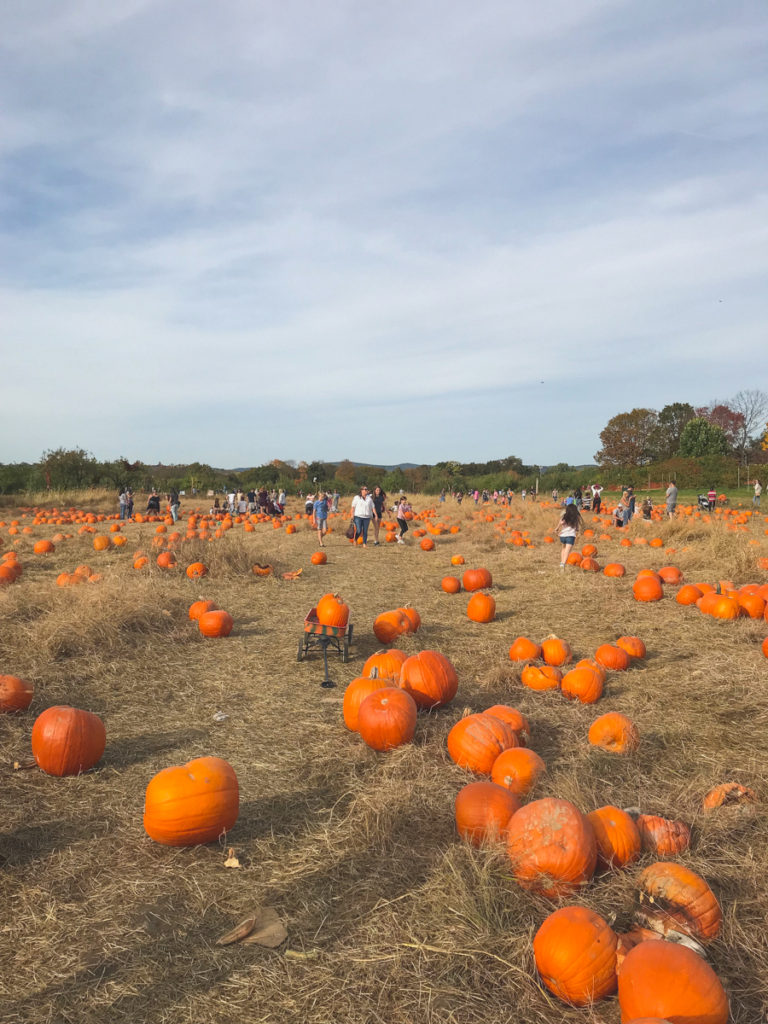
<point x="316" y="636"/>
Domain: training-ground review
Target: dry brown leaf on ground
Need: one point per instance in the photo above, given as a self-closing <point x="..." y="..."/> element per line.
<point x="232" y="861"/>
<point x="238" y="933"/>
<point x="268" y="931"/>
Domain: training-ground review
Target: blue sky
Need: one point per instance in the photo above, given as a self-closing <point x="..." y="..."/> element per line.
<point x="394" y="232"/>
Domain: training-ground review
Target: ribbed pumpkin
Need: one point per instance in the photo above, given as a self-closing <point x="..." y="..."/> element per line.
<point x="555" y="651"/>
<point x="582" y="683"/>
<point x="197" y="570"/>
<point x="517" y="769"/>
<point x="612" y="657"/>
<point x="355" y="694"/>
<point x="387" y="718"/>
<point x="15" y="694"/>
<point x="663" y="837"/>
<point x="430" y="678"/>
<point x="524" y="649"/>
<point x="674" y="898"/>
<point x="670" y="982"/>
<point x="614" y="732"/>
<point x="331" y="611"/>
<point x="552" y="847"/>
<point x="477" y="579"/>
<point x="618" y="839"/>
<point x="633" y="645"/>
<point x="541" y="677"/>
<point x="194" y="803"/>
<point x="476" y="741"/>
<point x="216" y="623"/>
<point x="198" y="608"/>
<point x="575" y="954"/>
<point x="689" y="594"/>
<point x="483" y="810"/>
<point x="387" y="664"/>
<point x="412" y="618"/>
<point x="647" y="588"/>
<point x="67" y="741"/>
<point x="514" y="718"/>
<point x="481" y="608"/>
<point x="388" y="626"/>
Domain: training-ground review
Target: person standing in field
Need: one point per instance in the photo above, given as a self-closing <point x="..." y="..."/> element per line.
<point x="758" y="492"/>
<point x="379" y="504"/>
<point x="597" y="497"/>
<point x="363" y="511"/>
<point x="712" y="498"/>
<point x="320" y="516"/>
<point x="174" y="501"/>
<point x="671" y="499"/>
<point x="568" y="529"/>
<point x="123" y="500"/>
<point x="401" y="514"/>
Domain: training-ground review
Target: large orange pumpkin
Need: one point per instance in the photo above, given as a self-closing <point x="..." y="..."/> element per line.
<point x="215" y="623"/>
<point x="523" y="649"/>
<point x="197" y="570"/>
<point x="355" y="694"/>
<point x="386" y="718"/>
<point x="517" y="769"/>
<point x="331" y="611"/>
<point x="481" y="608"/>
<point x="647" y="588"/>
<point x="663" y="837"/>
<point x="552" y="847"/>
<point x="670" y="982"/>
<point x="476" y="741"/>
<point x="193" y="803"/>
<point x="483" y="810"/>
<point x="674" y="898"/>
<point x="198" y="608"/>
<point x="541" y="677"/>
<point x="614" y="732"/>
<point x="387" y="664"/>
<point x="67" y="741"/>
<point x="430" y="678"/>
<point x="575" y="953"/>
<point x="512" y="717"/>
<point x="388" y="626"/>
<point x="613" y="657"/>
<point x="582" y="683"/>
<point x="555" y="651"/>
<point x="477" y="579"/>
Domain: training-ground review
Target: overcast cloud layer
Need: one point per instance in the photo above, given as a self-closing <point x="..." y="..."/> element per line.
<point x="391" y="232"/>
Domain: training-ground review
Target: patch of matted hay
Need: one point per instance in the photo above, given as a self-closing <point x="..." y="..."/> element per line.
<point x="390" y="917"/>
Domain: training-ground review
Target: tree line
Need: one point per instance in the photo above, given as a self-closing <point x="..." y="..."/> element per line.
<point x="733" y="429"/>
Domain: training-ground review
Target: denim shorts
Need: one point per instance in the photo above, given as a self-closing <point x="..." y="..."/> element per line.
<point x="567" y="540"/>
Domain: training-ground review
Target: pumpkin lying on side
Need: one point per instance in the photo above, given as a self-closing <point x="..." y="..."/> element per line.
<point x="193" y="803"/>
<point x="67" y="741"/>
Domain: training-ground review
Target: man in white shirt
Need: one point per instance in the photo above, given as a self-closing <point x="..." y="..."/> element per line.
<point x="363" y="511"/>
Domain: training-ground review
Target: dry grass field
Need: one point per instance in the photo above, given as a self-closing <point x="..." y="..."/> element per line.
<point x="391" y="918"/>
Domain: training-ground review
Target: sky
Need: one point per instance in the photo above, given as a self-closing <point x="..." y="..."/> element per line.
<point x="394" y="232"/>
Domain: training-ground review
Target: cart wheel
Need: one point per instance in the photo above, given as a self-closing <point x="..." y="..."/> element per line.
<point x="300" y="655"/>
<point x="345" y="650"/>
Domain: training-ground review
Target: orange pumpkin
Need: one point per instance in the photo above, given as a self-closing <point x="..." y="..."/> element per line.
<point x="216" y="623"/>
<point x="355" y="694"/>
<point x="728" y="793"/>
<point x="166" y="560"/>
<point x="451" y="584"/>
<point x="614" y="569"/>
<point x="198" y="608"/>
<point x="15" y="694"/>
<point x="190" y="804"/>
<point x="674" y="898"/>
<point x="647" y="588"/>
<point x="541" y="677"/>
<point x="483" y="810"/>
<point x="614" y="732"/>
<point x="331" y="611"/>
<point x="512" y="717"/>
<point x="555" y="651"/>
<point x="612" y="657"/>
<point x="575" y="954"/>
<point x="663" y="837"/>
<point x="389" y="625"/>
<point x="517" y="769"/>
<point x="197" y="570"/>
<point x="582" y="683"/>
<point x="67" y="741"/>
<point x="633" y="645"/>
<point x="618" y="838"/>
<point x="319" y="558"/>
<point x="386" y="718"/>
<point x="430" y="678"/>
<point x="386" y="663"/>
<point x="477" y="579"/>
<point x="481" y="608"/>
<point x="476" y="741"/>
<point x="666" y="981"/>
<point x="552" y="847"/>
<point x="524" y="649"/>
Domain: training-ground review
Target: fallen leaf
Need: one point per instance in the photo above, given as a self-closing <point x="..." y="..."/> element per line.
<point x="293" y="575"/>
<point x="269" y="930"/>
<point x="231" y="861"/>
<point x="238" y="933"/>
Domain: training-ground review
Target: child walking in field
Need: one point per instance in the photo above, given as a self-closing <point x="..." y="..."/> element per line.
<point x="567" y="529"/>
<point x="403" y="508"/>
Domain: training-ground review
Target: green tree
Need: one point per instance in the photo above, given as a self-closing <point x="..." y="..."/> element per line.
<point x="700" y="437"/>
<point x="665" y="440"/>
<point x="63" y="468"/>
<point x="627" y="438"/>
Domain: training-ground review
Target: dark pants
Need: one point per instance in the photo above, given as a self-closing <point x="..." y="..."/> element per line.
<point x="596" y="505"/>
<point x="403" y="523"/>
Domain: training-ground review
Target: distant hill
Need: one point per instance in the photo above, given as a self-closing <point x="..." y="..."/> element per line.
<point x="331" y="462"/>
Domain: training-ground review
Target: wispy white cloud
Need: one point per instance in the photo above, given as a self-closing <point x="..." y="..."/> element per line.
<point x="426" y="209"/>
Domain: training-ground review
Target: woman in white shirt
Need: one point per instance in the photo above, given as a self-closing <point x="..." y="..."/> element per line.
<point x="363" y="511"/>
